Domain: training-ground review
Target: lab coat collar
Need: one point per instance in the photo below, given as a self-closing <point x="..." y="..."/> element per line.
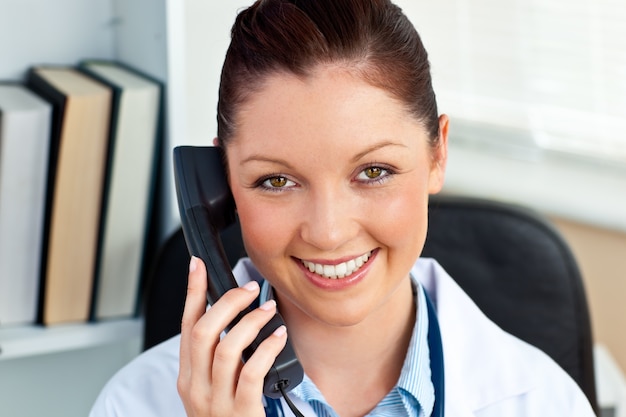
<point x="476" y="376"/>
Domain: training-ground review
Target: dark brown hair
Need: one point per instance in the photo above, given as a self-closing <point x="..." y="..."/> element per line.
<point x="373" y="38"/>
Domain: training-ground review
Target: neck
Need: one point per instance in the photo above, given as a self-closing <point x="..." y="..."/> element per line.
<point x="367" y="356"/>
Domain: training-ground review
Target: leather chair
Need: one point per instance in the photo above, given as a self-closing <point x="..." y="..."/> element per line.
<point x="509" y="259"/>
<point x="521" y="273"/>
<point x="166" y="284"/>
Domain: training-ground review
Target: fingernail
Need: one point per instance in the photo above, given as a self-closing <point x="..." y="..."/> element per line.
<point x="281" y="330"/>
<point x="251" y="286"/>
<point x="193" y="264"/>
<point x="268" y="305"/>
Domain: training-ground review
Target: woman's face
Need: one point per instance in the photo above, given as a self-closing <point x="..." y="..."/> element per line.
<point x="331" y="178"/>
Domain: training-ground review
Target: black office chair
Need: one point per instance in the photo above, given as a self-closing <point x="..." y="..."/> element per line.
<point x="509" y="259"/>
<point x="521" y="273"/>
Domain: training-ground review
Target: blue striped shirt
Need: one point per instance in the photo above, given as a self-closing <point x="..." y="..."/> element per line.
<point x="414" y="393"/>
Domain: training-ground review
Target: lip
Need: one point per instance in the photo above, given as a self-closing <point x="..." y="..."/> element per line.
<point x="340" y="283"/>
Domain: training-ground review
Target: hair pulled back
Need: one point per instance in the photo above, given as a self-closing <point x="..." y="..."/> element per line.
<point x="372" y="38"/>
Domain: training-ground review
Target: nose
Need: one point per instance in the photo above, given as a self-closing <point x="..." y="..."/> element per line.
<point x="329" y="219"/>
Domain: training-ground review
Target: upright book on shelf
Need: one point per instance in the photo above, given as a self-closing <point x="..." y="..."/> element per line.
<point x="25" y="120"/>
<point x="134" y="144"/>
<point x="80" y="127"/>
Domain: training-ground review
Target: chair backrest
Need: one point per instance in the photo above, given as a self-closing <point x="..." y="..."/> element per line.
<point x="521" y="273"/>
<point x="166" y="285"/>
<point x="510" y="261"/>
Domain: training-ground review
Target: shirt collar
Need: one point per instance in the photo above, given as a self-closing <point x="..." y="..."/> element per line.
<point x="415" y="378"/>
<point x="414" y="383"/>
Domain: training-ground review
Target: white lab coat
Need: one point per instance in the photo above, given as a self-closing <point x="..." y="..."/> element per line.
<point x="488" y="373"/>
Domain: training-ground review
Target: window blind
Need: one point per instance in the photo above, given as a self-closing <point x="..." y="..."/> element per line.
<point x="532" y="74"/>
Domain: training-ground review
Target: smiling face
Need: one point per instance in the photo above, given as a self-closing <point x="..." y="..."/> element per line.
<point x="331" y="178"/>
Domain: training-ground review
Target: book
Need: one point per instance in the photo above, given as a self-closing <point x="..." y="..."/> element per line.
<point x="76" y="167"/>
<point x="25" y="123"/>
<point x="134" y="146"/>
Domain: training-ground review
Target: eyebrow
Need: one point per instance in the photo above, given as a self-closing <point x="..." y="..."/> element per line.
<point x="261" y="158"/>
<point x="286" y="164"/>
<point x="376" y="147"/>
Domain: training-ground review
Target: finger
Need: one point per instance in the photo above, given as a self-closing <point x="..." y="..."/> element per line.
<point x="195" y="307"/>
<point x="227" y="359"/>
<point x="251" y="379"/>
<point x="205" y="334"/>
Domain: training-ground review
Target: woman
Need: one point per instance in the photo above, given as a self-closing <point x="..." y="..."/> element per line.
<point x="333" y="144"/>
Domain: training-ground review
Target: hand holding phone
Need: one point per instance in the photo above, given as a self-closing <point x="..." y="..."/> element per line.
<point x="206" y="207"/>
<point x="212" y="381"/>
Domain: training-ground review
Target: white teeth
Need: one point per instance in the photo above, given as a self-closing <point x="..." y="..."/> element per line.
<point x="351" y="265"/>
<point x="341" y="270"/>
<point x="329" y="270"/>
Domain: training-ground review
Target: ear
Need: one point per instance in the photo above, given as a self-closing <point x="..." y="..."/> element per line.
<point x="216" y="141"/>
<point x="439" y="158"/>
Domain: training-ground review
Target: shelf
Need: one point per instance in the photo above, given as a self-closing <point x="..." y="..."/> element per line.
<point x="21" y="342"/>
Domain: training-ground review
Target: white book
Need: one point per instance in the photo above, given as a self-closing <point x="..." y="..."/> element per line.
<point x="127" y="200"/>
<point x="25" y="123"/>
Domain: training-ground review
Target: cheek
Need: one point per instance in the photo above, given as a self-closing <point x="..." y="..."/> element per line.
<point x="264" y="230"/>
<point x="403" y="223"/>
<point x="411" y="221"/>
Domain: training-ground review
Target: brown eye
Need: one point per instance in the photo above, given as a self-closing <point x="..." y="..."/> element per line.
<point x="373" y="172"/>
<point x="277" y="182"/>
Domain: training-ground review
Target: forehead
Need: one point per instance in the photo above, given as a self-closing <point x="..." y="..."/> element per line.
<point x="331" y="101"/>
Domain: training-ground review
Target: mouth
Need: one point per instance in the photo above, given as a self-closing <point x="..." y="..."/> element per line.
<point x="340" y="270"/>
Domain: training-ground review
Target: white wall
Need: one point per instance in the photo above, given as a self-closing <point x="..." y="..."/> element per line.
<point x="53" y="32"/>
<point x="198" y="36"/>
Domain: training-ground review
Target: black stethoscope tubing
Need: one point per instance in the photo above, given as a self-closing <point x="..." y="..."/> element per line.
<point x="435" y="348"/>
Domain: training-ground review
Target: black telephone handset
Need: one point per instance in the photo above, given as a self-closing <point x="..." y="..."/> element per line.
<point x="206" y="207"/>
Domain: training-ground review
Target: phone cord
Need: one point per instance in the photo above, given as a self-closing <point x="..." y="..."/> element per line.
<point x="291" y="405"/>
